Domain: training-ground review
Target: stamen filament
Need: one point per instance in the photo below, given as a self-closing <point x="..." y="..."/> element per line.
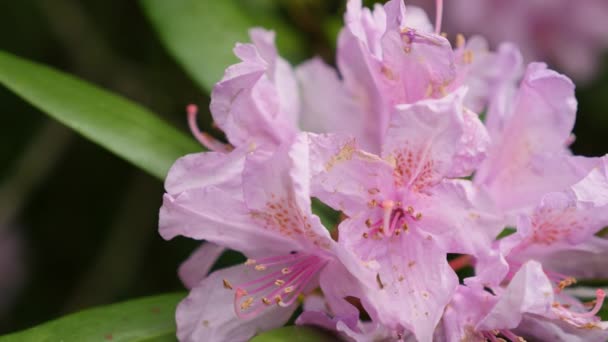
<point x="599" y="301"/>
<point x="205" y="139"/>
<point x="438" y="15"/>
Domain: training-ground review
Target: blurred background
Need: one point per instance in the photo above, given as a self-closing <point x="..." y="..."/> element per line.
<point x="78" y="226"/>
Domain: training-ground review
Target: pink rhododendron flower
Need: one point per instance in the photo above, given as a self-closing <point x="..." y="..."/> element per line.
<point x="269" y="219"/>
<point x="404" y="214"/>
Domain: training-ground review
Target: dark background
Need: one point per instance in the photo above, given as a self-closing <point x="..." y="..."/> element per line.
<point x="86" y="220"/>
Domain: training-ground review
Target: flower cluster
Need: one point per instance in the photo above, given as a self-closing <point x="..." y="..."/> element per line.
<point x="394" y="141"/>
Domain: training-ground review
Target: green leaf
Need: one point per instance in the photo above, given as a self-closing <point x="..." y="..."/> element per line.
<point x="201" y="34"/>
<point x="147" y="319"/>
<point x="295" y="334"/>
<point x="121" y="126"/>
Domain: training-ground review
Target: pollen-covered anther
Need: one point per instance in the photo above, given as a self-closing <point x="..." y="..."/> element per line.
<point x="467" y="56"/>
<point x="418" y="216"/>
<point x="250" y="262"/>
<point x="365" y="235"/>
<point x="372" y="204"/>
<point x="286" y="270"/>
<point x="460" y="41"/>
<point x="565" y="283"/>
<point x="266" y="301"/>
<point x="278" y="299"/>
<point x="260" y="268"/>
<point x="227" y="284"/>
<point x="288" y="289"/>
<point x="246" y="304"/>
<point x="279" y="282"/>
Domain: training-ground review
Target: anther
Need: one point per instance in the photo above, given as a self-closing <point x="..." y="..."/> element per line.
<point x="227" y="284"/>
<point x="279" y="282"/>
<point x="285" y="270"/>
<point x="460" y="41"/>
<point x="246" y="304"/>
<point x="266" y="301"/>
<point x="260" y="268"/>
<point x="250" y="262"/>
<point x="288" y="289"/>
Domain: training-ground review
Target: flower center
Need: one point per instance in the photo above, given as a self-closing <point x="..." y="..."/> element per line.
<point x="283" y="278"/>
<point x="394" y="221"/>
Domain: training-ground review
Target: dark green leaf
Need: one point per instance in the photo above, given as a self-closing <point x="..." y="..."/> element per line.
<point x="202" y="33"/>
<point x="125" y="128"/>
<point x="146" y="319"/>
<point x="295" y="334"/>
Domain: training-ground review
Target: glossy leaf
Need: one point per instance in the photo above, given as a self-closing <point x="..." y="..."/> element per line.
<point x="294" y="334"/>
<point x="123" y="127"/>
<point x="147" y="319"/>
<point x="201" y="34"/>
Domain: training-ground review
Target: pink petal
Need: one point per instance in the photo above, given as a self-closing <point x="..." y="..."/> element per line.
<point x="257" y="100"/>
<point x="530" y="291"/>
<point x="202" y="214"/>
<point x="200" y="170"/>
<point x="345" y="177"/>
<point x="423" y="139"/>
<point x="199" y="263"/>
<point x="277" y="191"/>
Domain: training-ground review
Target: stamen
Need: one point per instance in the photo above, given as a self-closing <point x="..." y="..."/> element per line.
<point x="511" y="336"/>
<point x="288" y="276"/>
<point x="460" y="41"/>
<point x="227" y="284"/>
<point x="438" y="15"/>
<point x="565" y="283"/>
<point x="205" y="139"/>
<point x="599" y="301"/>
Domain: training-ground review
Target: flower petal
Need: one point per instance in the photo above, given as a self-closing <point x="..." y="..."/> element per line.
<point x="207" y="314"/>
<point x="529" y="159"/>
<point x="529" y="292"/>
<point x="414" y="282"/>
<point x="277" y="191"/>
<point x="215" y="215"/>
<point x="345" y="177"/>
<point x="199" y="263"/>
<point x="204" y="169"/>
<point x="257" y="100"/>
<point x="423" y="139"/>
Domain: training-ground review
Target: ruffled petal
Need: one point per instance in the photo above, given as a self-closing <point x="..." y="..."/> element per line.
<point x="423" y="139"/>
<point x="530" y="157"/>
<point x="277" y="191"/>
<point x="530" y="292"/>
<point x="208" y="313"/>
<point x="204" y="169"/>
<point x="215" y="215"/>
<point x="345" y="177"/>
<point x="257" y="100"/>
